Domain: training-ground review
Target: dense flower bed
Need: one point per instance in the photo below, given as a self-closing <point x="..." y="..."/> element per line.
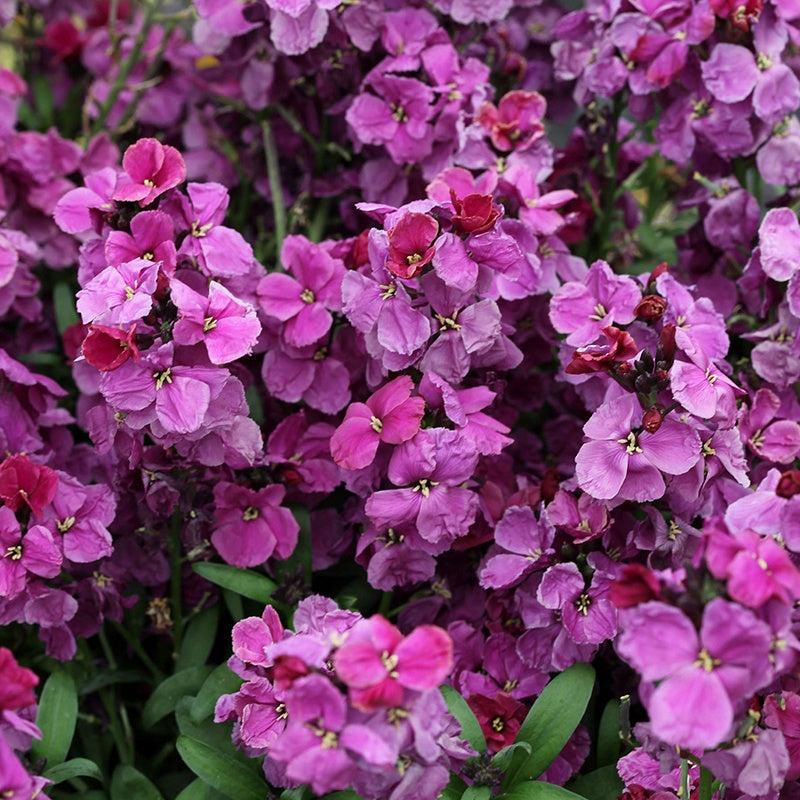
<point x="399" y="400"/>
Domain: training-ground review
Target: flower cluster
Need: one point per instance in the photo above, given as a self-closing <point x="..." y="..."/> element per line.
<point x="344" y="701"/>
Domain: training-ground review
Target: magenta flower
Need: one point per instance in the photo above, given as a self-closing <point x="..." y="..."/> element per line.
<point x="528" y="545"/>
<point x="377" y="663"/>
<point x="621" y="460"/>
<point x="389" y="415"/>
<point x="217" y="250"/>
<point x="321" y="746"/>
<point x="411" y="244"/>
<point x="25" y="483"/>
<point x="433" y="465"/>
<point x="152" y="168"/>
<point x="701" y="679"/>
<point x="84" y="209"/>
<point x="119" y="294"/>
<point x="36" y="553"/>
<point x="227" y="326"/>
<point x="583" y="308"/>
<point x="151" y="238"/>
<point x="250" y="525"/>
<point x="303" y="300"/>
<point x="516" y="123"/>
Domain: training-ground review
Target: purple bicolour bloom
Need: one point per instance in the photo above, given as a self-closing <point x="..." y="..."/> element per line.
<point x="464" y="407"/>
<point x="582" y="309"/>
<point x="84" y="209"/>
<point x="250" y="525"/>
<point x="467" y="330"/>
<point x="321" y="746"/>
<point x="583" y="519"/>
<point x="755" y="567"/>
<point x="379" y="306"/>
<point x="756" y="767"/>
<point x="433" y="465"/>
<point x="151" y="169"/>
<point x="389" y="415"/>
<point x="151" y="238"/>
<point x="228" y="327"/>
<point x="703" y="390"/>
<point x="217" y="250"/>
<point x="587" y="612"/>
<point x="623" y="461"/>
<point x="154" y="390"/>
<point x="528" y="544"/>
<point x="303" y="454"/>
<point x="119" y="294"/>
<point x="772" y="439"/>
<point x="37" y="553"/>
<point x="698" y="325"/>
<point x="296" y="26"/>
<point x="702" y="679"/>
<point x="395" y="116"/>
<point x="378" y="664"/>
<point x="303" y="301"/>
<point x="81" y="515"/>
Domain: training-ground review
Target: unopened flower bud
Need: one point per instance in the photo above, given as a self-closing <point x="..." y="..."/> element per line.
<point x="789" y="484"/>
<point x="651" y="308"/>
<point x="652" y="419"/>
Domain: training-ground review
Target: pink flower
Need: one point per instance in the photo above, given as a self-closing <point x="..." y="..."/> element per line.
<point x="516" y="123"/>
<point x="389" y="415"/>
<point x="411" y="244"/>
<point x="250" y="525"/>
<point x="22" y="482"/>
<point x="378" y="663"/>
<point x="152" y="169"/>
<point x="227" y="326"/>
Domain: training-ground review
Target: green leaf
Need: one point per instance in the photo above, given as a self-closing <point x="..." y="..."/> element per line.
<point x="233" y="602"/>
<point x="128" y="783"/>
<point x="220" y="681"/>
<point x="470" y="727"/>
<point x="539" y="790"/>
<point x="58" y="711"/>
<point x="503" y="757"/>
<point x="454" y="789"/>
<point x="550" y="722"/>
<point x="224" y="774"/>
<point x="608" y="740"/>
<point x="42" y="89"/>
<point x="601" y="784"/>
<point x="477" y="793"/>
<point x="166" y="695"/>
<point x="198" y="639"/>
<point x="242" y="581"/>
<point x="74" y="768"/>
<point x="110" y="677"/>
<point x="346" y="794"/>
<point x="64" y="306"/>
<point x="196" y="790"/>
<point x="216" y="735"/>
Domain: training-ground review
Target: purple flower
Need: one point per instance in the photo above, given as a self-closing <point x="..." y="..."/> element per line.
<point x="152" y="168"/>
<point x="621" y="460"/>
<point x="151" y="238"/>
<point x="303" y="302"/>
<point x="251" y="526"/>
<point x="37" y="553"/>
<point x="435" y="463"/>
<point x="701" y="679"/>
<point x="217" y="250"/>
<point x="583" y="308"/>
<point x="227" y="327"/>
<point x="120" y="294"/>
<point x="320" y="746"/>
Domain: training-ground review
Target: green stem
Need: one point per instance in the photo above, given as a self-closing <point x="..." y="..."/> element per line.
<point x="176" y="563"/>
<point x="127" y="66"/>
<point x="386" y="604"/>
<point x="275" y="188"/>
<point x="684" y="791"/>
<point x="609" y="190"/>
<point x="706" y="784"/>
<point x="136" y="646"/>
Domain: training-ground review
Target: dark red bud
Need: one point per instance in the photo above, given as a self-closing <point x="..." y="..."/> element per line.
<point x="549" y="485"/>
<point x="475" y="213"/>
<point x="789" y="484"/>
<point x="658" y="271"/>
<point x="667" y="342"/>
<point x="652" y="419"/>
<point x="637" y="584"/>
<point x="359" y="252"/>
<point x="651" y="308"/>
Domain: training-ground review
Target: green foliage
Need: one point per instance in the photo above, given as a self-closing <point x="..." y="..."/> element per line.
<point x="550" y="723"/>
<point x="128" y="783"/>
<point x="58" y="712"/>
<point x="166" y="695"/>
<point x="470" y="727"/>
<point x="244" y="582"/>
